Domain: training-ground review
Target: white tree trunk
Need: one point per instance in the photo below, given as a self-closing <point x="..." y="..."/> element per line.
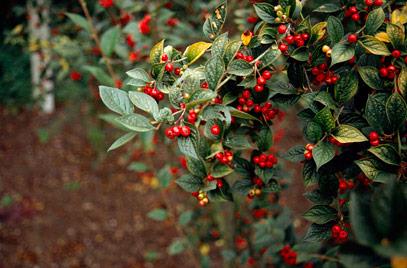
<point x="41" y="72"/>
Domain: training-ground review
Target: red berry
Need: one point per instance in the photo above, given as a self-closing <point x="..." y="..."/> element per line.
<point x="352" y="60"/>
<point x="355" y="17"/>
<point x="266" y="74"/>
<point x="375" y="142"/>
<point x="308" y="155"/>
<point x="309" y="147"/>
<point x="396" y="53"/>
<point x="391" y="68"/>
<point x="283" y="47"/>
<point x="343" y="235"/>
<point x="219" y="183"/>
<point x="164" y="57"/>
<point x="323" y="66"/>
<point x="169" y="133"/>
<point x="205" y="85"/>
<point x="352" y="38"/>
<point x="315" y="71"/>
<point x="75" y="76"/>
<point x="177" y="71"/>
<point x="176" y="130"/>
<point x="251" y="19"/>
<point x="405" y="59"/>
<point x="304" y="36"/>
<point x="106" y="3"/>
<point x="239" y="56"/>
<point x="249" y="58"/>
<point x="373" y="136"/>
<point x="342" y="185"/>
<point x="281" y="29"/>
<point x="353" y="9"/>
<point x="246" y="94"/>
<point x="383" y="72"/>
<point x="169" y="67"/>
<point x="335" y="230"/>
<point x="261" y="80"/>
<point x="215" y="130"/>
<point x="185" y="131"/>
<point x="369" y="2"/>
<point x="378" y="3"/>
<point x="289" y="39"/>
<point x="258" y="88"/>
<point x="210" y="177"/>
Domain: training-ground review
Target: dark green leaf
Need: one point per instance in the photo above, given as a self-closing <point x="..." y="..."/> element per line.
<point x="318" y="232"/>
<point x="295" y="154"/>
<point x="189" y="183"/>
<point x="144" y="102"/>
<point x="265" y="12"/>
<point x="370" y="75"/>
<point x="387" y="153"/>
<point x="328" y="8"/>
<point x="196" y="167"/>
<point x="221" y="170"/>
<point x="323" y="153"/>
<point x="396" y="35"/>
<point x="325" y="119"/>
<point x="240" y="68"/>
<point x="375" y="112"/>
<point x="231" y="50"/>
<point x="313" y="131"/>
<point x="187" y="146"/>
<point x="374" y="20"/>
<point x="214" y="23"/>
<point x="79" y="20"/>
<point x="320" y="214"/>
<point x="309" y="173"/>
<point x="116" y="100"/>
<point x="135" y="122"/>
<point x="346" y="88"/>
<point x="139" y="77"/>
<point x="219" y="45"/>
<point x="264" y="139"/>
<point x="396" y="110"/>
<point x="335" y="30"/>
<point x="374" y="46"/>
<point x="341" y="52"/>
<point x="214" y="70"/>
<point x="300" y="54"/>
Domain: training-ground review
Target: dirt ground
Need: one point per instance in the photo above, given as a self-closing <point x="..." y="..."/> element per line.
<point x="72" y="212"/>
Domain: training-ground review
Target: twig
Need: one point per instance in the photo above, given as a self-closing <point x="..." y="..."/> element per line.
<point x="95" y="37"/>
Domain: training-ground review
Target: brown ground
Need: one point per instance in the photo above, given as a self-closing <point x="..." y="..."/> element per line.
<point x="103" y="223"/>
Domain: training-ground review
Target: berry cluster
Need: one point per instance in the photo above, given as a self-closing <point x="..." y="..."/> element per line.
<point x="266" y="109"/>
<point x="225" y="158"/>
<point x="374" y="138"/>
<point x="153" y="92"/>
<point x="353" y="13"/>
<point x="176" y="131"/>
<point x="388" y="72"/>
<point x="308" y="151"/>
<point x="144" y="25"/>
<point x="289" y="255"/>
<point x="245" y="102"/>
<point x="345" y="185"/>
<point x="192" y="116"/>
<point x="322" y="74"/>
<point x="339" y="234"/>
<point x="241" y="56"/>
<point x="299" y="39"/>
<point x="202" y="197"/>
<point x="262" y="80"/>
<point x="256" y="191"/>
<point x="377" y="3"/>
<point x="265" y="161"/>
<point x="219" y="182"/>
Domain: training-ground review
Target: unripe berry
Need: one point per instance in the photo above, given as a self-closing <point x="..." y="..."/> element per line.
<point x="281" y="29"/>
<point x="169" y="67"/>
<point x="325" y="48"/>
<point x="352" y="38"/>
<point x="215" y="130"/>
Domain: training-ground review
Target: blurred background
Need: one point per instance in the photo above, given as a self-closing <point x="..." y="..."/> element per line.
<point x="65" y="201"/>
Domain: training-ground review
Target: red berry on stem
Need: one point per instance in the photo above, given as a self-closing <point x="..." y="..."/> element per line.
<point x="164" y="57"/>
<point x="266" y="74"/>
<point x="215" y="130"/>
<point x="353" y="9"/>
<point x="375" y="142"/>
<point x="378" y="3"/>
<point x="289" y="39"/>
<point x="185" y="131"/>
<point x="396" y="53"/>
<point x="249" y="58"/>
<point x="281" y="29"/>
<point x="258" y="88"/>
<point x="369" y="2"/>
<point x="383" y="72"/>
<point x="283" y="47"/>
<point x="304" y="36"/>
<point x="176" y="130"/>
<point x="352" y="38"/>
<point x="373" y="135"/>
<point x="169" y="67"/>
<point x="261" y="80"/>
<point x="177" y="71"/>
<point x="355" y="17"/>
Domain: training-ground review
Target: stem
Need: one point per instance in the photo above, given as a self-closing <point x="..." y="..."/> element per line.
<point x="223" y="83"/>
<point x="95" y="37"/>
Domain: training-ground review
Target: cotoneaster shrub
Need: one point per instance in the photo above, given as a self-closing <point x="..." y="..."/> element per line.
<point x="219" y="98"/>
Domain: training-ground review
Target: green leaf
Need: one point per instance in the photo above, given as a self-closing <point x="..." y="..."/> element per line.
<point x="396" y="35"/>
<point x="323" y="153"/>
<point x="195" y="51"/>
<point x="185" y="217"/>
<point x="264" y="139"/>
<point x="109" y="40"/>
<point x="231" y="50"/>
<point x="240" y="68"/>
<point x="300" y="54"/>
<point x="374" y="45"/>
<point x="239" y="114"/>
<point x="295" y="154"/>
<point x="328" y="8"/>
<point x="265" y="12"/>
<point x="158" y="214"/>
<point x="313" y="131"/>
<point x="135" y="122"/>
<point x="79" y="20"/>
<point x="387" y="153"/>
<point x="139" y="77"/>
<point x="143" y="102"/>
<point x="346" y="88"/>
<point x="177" y="246"/>
<point x="375" y="112"/>
<point x="242" y="186"/>
<point x="116" y="100"/>
<point x="214" y="23"/>
<point x="320" y="214"/>
<point x="100" y="75"/>
<point x="219" y="45"/>
<point x="402" y="82"/>
<point x="341" y="52"/>
<point x="220" y="170"/>
<point x="187" y="147"/>
<point x="200" y="97"/>
<point x="214" y="70"/>
<point x="325" y="119"/>
<point x="137" y="167"/>
<point x="156" y="51"/>
<point x="317" y="232"/>
<point x="309" y="173"/>
<point x="335" y="30"/>
<point x="372" y="168"/>
<point x="348" y="134"/>
<point x="374" y="20"/>
<point x="237" y="142"/>
<point x="122" y="140"/>
<point x="396" y="110"/>
<point x="196" y="167"/>
<point x="370" y="75"/>
<point x="189" y="183"/>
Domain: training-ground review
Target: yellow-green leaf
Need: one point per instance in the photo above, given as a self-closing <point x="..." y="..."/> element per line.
<point x="156" y="52"/>
<point x="195" y="51"/>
